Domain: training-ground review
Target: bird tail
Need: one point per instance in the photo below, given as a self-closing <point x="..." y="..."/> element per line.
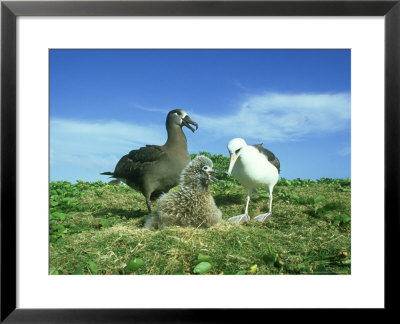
<point x="108" y="173"/>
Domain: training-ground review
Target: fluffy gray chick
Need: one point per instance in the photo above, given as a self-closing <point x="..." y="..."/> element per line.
<point x="193" y="204"/>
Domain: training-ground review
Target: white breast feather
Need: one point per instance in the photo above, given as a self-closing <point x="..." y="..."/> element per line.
<point x="253" y="170"/>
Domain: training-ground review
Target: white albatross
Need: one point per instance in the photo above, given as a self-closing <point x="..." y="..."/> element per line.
<point x="253" y="166"/>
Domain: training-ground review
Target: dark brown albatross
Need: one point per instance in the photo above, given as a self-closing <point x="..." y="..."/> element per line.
<point x="155" y="169"/>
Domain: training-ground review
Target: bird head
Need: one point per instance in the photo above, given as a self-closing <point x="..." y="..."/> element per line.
<point x="181" y="118"/>
<point x="198" y="173"/>
<point x="234" y="147"/>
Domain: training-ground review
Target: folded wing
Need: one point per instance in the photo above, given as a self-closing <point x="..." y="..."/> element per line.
<point x="271" y="156"/>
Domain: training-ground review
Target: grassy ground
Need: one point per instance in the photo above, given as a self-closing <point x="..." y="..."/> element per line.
<point x="96" y="228"/>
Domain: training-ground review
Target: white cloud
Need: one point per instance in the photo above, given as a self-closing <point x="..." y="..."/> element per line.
<point x="152" y="109"/>
<point x="91" y="147"/>
<point x="282" y="117"/>
<point x="98" y="144"/>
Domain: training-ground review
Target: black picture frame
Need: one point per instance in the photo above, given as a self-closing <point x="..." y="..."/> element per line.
<point x="10" y="10"/>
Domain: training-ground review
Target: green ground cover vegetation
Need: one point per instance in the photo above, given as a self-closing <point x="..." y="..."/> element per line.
<point x="96" y="228"/>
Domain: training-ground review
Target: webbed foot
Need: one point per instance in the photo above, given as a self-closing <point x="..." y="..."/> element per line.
<point x="263" y="217"/>
<point x="239" y="218"/>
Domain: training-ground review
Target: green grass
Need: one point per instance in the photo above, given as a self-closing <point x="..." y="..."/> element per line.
<point x="96" y="228"/>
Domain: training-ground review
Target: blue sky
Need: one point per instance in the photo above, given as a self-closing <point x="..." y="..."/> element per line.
<point x="104" y="103"/>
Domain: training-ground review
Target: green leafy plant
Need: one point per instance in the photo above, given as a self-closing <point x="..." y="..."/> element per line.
<point x="93" y="267"/>
<point x="341" y="220"/>
<point x="78" y="271"/>
<point x="134" y="265"/>
<point x="203" y="257"/>
<point x="317" y="207"/>
<point x="202" y="268"/>
<point x="272" y="258"/>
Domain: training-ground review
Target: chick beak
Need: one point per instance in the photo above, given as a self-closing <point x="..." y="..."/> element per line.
<point x="213" y="179"/>
<point x="187" y="120"/>
<point x="232" y="163"/>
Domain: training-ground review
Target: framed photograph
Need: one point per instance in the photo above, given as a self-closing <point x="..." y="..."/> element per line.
<point x="84" y="83"/>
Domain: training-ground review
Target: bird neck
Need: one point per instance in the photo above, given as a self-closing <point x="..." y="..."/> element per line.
<point x="195" y="186"/>
<point x="176" y="137"/>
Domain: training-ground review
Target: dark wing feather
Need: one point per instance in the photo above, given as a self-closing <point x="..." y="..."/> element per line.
<point x="133" y="164"/>
<point x="149" y="153"/>
<point x="270" y="156"/>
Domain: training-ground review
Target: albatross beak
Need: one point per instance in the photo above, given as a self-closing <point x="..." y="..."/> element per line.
<point x="232" y="162"/>
<point x="187" y="120"/>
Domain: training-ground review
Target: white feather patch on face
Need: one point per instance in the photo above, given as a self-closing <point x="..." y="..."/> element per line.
<point x="180" y="118"/>
<point x="183" y="115"/>
<point x="236" y="144"/>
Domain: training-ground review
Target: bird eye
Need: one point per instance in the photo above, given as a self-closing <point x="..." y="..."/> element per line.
<point x="205" y="168"/>
<point x="237" y="151"/>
